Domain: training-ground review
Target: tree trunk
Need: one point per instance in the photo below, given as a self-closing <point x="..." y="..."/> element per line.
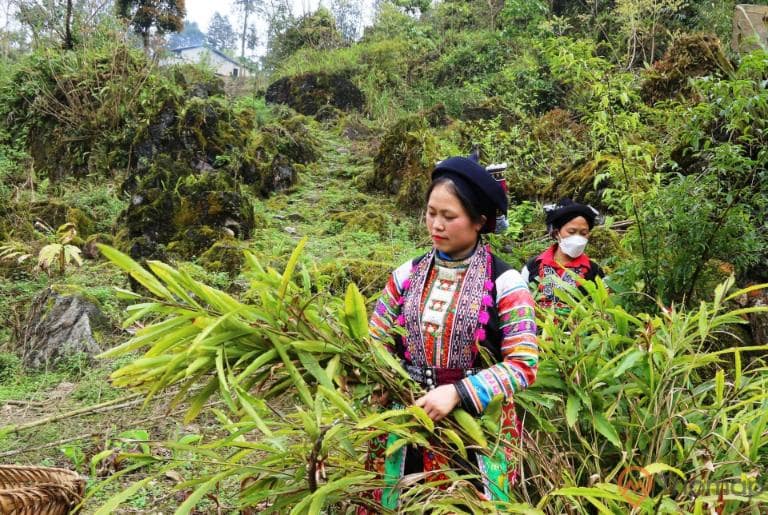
<point x="245" y="31"/>
<point x="69" y="44"/>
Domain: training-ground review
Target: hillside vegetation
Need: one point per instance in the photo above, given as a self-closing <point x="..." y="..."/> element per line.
<point x="233" y="235"/>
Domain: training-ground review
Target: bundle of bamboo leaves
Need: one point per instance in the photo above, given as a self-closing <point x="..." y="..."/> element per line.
<point x="289" y="346"/>
<point x="617" y="392"/>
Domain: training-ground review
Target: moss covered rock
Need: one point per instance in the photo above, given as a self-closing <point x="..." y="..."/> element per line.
<point x="605" y="246"/>
<point x="281" y="149"/>
<point x="578" y="181"/>
<point x="225" y="255"/>
<point x="404" y="162"/>
<point x="368" y="219"/>
<point x="690" y="56"/>
<point x="367" y="274"/>
<point x="311" y="92"/>
<point x="489" y="109"/>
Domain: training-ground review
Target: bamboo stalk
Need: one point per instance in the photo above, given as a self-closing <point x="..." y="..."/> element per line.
<point x="74" y="413"/>
<point x="97" y="433"/>
<point x="36" y="404"/>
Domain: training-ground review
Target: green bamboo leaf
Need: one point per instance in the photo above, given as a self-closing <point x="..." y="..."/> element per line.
<point x="377" y="418"/>
<point x="173" y="280"/>
<point x="316" y="346"/>
<point x="223" y="382"/>
<point x="745" y="291"/>
<point x="601" y="490"/>
<point x="355" y="312"/>
<point x="145" y="336"/>
<point x="139" y="311"/>
<point x="247" y="401"/>
<point x="313" y="367"/>
<point x="186" y="507"/>
<point x="456" y="441"/>
<point x="290" y="267"/>
<point x="136" y="271"/>
<point x="703" y="321"/>
<point x="298" y="381"/>
<point x="169" y="341"/>
<point x="469" y="425"/>
<point x="339" y="486"/>
<point x="492" y="414"/>
<point x="421" y="415"/>
<point x="572" y="407"/>
<point x="337" y="400"/>
<point x="655" y="468"/>
<point x="605" y="428"/>
<point x="110" y="507"/>
<point x="199" y="400"/>
<point x="719" y="386"/>
<point x="268" y="357"/>
<point x="399" y="444"/>
<point x="628" y="362"/>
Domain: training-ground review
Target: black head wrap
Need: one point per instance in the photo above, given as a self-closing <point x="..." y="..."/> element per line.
<point x="483" y="192"/>
<point x="566" y="210"/>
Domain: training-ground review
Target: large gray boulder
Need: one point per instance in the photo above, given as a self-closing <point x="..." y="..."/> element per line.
<point x="57" y="327"/>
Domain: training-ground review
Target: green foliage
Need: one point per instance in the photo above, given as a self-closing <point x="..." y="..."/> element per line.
<point x="74" y="112"/>
<point x="61" y="253"/>
<point x="619" y="390"/>
<point x="615" y="390"/>
<point x="681" y="237"/>
<point x="315" y="30"/>
<point x="469" y="56"/>
<point x="164" y="16"/>
<point x="720" y="159"/>
<point x="10" y="366"/>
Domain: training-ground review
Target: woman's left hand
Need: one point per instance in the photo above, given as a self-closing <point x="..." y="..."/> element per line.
<point x="439" y="402"/>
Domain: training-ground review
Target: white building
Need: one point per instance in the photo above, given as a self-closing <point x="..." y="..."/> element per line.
<point x="221" y="63"/>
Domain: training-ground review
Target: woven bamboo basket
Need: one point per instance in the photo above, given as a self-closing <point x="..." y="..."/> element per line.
<point x="39" y="490"/>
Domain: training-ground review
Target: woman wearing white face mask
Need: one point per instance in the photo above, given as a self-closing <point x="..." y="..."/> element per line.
<point x="569" y="223"/>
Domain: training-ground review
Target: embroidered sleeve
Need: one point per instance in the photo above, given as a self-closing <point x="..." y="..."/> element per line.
<point x="389" y="305"/>
<point x="519" y="348"/>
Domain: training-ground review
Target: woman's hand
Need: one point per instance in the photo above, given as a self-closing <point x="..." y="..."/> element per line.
<point x="439" y="402"/>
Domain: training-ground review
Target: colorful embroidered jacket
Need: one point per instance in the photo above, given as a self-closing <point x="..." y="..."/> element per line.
<point x="510" y="334"/>
<point x="543" y="271"/>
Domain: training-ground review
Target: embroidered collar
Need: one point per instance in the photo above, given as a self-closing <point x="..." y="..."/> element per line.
<point x="548" y="258"/>
<point x="442" y="256"/>
<point x="471" y="315"/>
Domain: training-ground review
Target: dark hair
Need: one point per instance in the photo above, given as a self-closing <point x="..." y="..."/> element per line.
<point x="472" y="211"/>
<point x="557" y="215"/>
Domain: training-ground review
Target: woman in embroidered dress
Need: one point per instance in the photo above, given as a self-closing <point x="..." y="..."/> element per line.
<point x="451" y="301"/>
<point x="569" y="224"/>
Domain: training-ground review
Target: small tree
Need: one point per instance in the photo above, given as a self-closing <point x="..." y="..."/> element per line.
<point x="348" y="15"/>
<point x="317" y="30"/>
<point x="221" y="35"/>
<point x="164" y="15"/>
<point x="190" y="36"/>
<point x="248" y="38"/>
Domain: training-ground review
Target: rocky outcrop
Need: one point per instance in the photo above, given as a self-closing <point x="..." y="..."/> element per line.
<point x="689" y="56"/>
<point x="310" y="92"/>
<point x="57" y="327"/>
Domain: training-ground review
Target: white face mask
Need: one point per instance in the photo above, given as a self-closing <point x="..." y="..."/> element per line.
<point x="573" y="246"/>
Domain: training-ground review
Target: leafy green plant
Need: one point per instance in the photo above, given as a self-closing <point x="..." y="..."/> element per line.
<point x="618" y="390"/>
<point x="61" y="253"/>
<point x="10" y="366"/>
<point x="615" y="390"/>
<point x="74" y="454"/>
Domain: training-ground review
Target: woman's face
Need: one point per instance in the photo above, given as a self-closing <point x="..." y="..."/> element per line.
<point x="449" y="225"/>
<point x="577" y="226"/>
